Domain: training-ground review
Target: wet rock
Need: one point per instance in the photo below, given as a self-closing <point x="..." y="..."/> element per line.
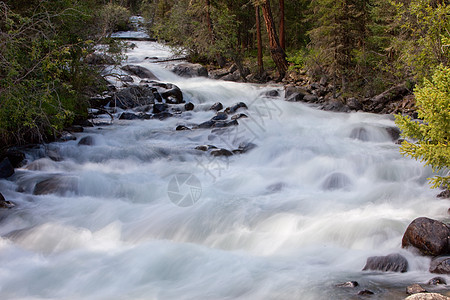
<point x="87" y="141"/>
<point x="295" y="97"/>
<point x="239" y="116"/>
<point x="310" y="98"/>
<point x="74" y="128"/>
<point x="220" y="116"/>
<point x="359" y="133"/>
<point x="126" y="78"/>
<point x="6" y="168"/>
<point x="54" y="155"/>
<point x="235" y="76"/>
<point x="348" y="284"/>
<point x="129" y="116"/>
<point x="244" y="147"/>
<point x="222" y="124"/>
<point x="293" y="93"/>
<point x="207" y="124"/>
<point x="182" y="127"/>
<point x="205" y="147"/>
<point x="440" y="265"/>
<point x="189" y="106"/>
<point x="335" y="105"/>
<point x="162" y="115"/>
<point x="336" y="181"/>
<point x="221" y="152"/>
<point x="390" y="263"/>
<point x="365" y="293"/>
<point x="99" y="59"/>
<point x="133" y="96"/>
<point x="159" y="108"/>
<point x="427" y="296"/>
<point x="437" y="281"/>
<point x="171" y="93"/>
<point x="139" y="71"/>
<point x="15" y="157"/>
<point x="60" y="185"/>
<point x="234" y="108"/>
<point x="429" y="236"/>
<point x="217" y="106"/>
<point x="354" y="104"/>
<point x="444" y="194"/>
<point x="5" y="203"/>
<point x="272" y="93"/>
<point x="66" y="136"/>
<point x="414" y="289"/>
<point x="393" y="132"/>
<point x="190" y="70"/>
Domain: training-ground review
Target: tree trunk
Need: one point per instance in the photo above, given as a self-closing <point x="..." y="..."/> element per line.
<point x="282" y="28"/>
<point x="277" y="53"/>
<point x="208" y="19"/>
<point x="258" y="37"/>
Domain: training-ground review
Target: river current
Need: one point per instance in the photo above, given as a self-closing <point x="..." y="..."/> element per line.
<point x="150" y="217"/>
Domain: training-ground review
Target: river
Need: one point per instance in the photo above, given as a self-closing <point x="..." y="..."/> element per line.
<point x="150" y="217"/>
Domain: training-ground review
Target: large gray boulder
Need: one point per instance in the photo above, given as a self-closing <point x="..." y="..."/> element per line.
<point x="139" y="71"/>
<point x="429" y="236"/>
<point x="190" y="70"/>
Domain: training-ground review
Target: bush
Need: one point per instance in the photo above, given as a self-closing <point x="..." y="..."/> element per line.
<point x="431" y="137"/>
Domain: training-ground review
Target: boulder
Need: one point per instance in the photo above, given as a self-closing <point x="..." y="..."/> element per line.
<point x="129" y="116"/>
<point x="190" y="70"/>
<point x="221" y="152"/>
<point x="220" y="116"/>
<point x="5" y="203"/>
<point x="139" y="71"/>
<point x="310" y="98"/>
<point x="133" y="96"/>
<point x="429" y="236"/>
<point x="87" y="141"/>
<point x="234" y="108"/>
<point x="440" y="265"/>
<point x="217" y="106"/>
<point x="15" y="157"/>
<point x="427" y="296"/>
<point x="365" y="293"/>
<point x="444" y="194"/>
<point x="162" y="115"/>
<point x="235" y="76"/>
<point x="393" y="132"/>
<point x="60" y="185"/>
<point x="390" y="263"/>
<point x="66" y="136"/>
<point x="126" y="78"/>
<point x="6" y="168"/>
<point x="335" y="105"/>
<point x="348" y="284"/>
<point x="414" y="289"/>
<point x="170" y="92"/>
<point x="272" y="93"/>
<point x="354" y="104"/>
<point x="159" y="108"/>
<point x="205" y="147"/>
<point x="239" y="116"/>
<point x="436" y="281"/>
<point x="189" y="106"/>
<point x="182" y="127"/>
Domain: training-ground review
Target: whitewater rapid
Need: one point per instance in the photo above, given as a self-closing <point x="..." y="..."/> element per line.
<point x="290" y="219"/>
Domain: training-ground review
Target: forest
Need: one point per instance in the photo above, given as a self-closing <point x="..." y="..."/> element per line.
<point x="362" y="47"/>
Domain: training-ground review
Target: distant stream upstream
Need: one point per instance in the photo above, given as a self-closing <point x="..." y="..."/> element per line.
<point x="151" y="217"/>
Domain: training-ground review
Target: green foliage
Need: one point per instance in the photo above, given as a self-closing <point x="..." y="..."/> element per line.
<point x="297" y="59"/>
<point x="432" y="136"/>
<point x="114" y="18"/>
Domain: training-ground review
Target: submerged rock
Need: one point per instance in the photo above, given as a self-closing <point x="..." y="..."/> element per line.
<point x="348" y="284"/>
<point x="87" y="141"/>
<point x="336" y="181"/>
<point x="390" y="263"/>
<point x="359" y="133"/>
<point x="436" y="281"/>
<point x="365" y="293"/>
<point x="429" y="236"/>
<point x="60" y="185"/>
<point x="6" y="168"/>
<point x="440" y="265"/>
<point x="414" y="289"/>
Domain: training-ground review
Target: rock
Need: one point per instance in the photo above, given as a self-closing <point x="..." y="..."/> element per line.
<point x="359" y="133"/>
<point x="394" y="133"/>
<point x="440" y="265"/>
<point x="6" y="168"/>
<point x="74" y="128"/>
<point x="205" y="147"/>
<point x="170" y="92"/>
<point x="444" y="194"/>
<point x="310" y="98"/>
<point x="189" y="106"/>
<point x="427" y="296"/>
<point x="162" y="115"/>
<point x="354" y="104"/>
<point x="314" y="86"/>
<point x="129" y="116"/>
<point x="221" y="152"/>
<point x="182" y="127"/>
<point x="390" y="263"/>
<point x="217" y="106"/>
<point x="335" y="105"/>
<point x="414" y="289"/>
<point x="66" y="136"/>
<point x="160" y="107"/>
<point x="323" y="81"/>
<point x="348" y="284"/>
<point x="133" y="96"/>
<point x="99" y="59"/>
<point x="87" y="141"/>
<point x="220" y="116"/>
<point x="272" y="93"/>
<point x="190" y="70"/>
<point x="244" y="147"/>
<point x="336" y="181"/>
<point x="239" y="116"/>
<point x="126" y="78"/>
<point x="54" y="155"/>
<point x="295" y="97"/>
<point x="290" y="91"/>
<point x="139" y="71"/>
<point x="394" y="93"/>
<point x="5" y="203"/>
<point x="437" y="281"/>
<point x="235" y="76"/>
<point x="429" y="236"/>
<point x="60" y="185"/>
<point x="15" y="157"/>
<point x="234" y="108"/>
<point x="365" y="293"/>
<point x="222" y="124"/>
<point x="207" y="124"/>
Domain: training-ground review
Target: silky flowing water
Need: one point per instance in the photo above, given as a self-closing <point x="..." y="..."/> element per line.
<point x="290" y="219"/>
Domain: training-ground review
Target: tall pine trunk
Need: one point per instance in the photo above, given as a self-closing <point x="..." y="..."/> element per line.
<point x="259" y="41"/>
<point x="282" y="27"/>
<point x="277" y="53"/>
